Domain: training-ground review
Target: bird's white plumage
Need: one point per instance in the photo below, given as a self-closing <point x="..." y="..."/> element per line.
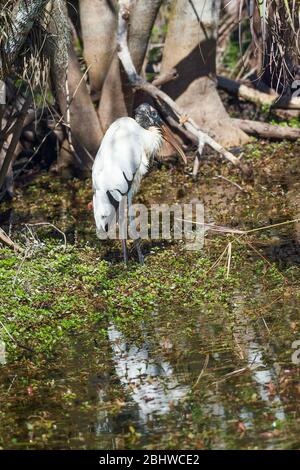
<point x="121" y="162"/>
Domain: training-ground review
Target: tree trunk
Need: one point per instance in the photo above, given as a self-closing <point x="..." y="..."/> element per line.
<point x="256" y="96"/>
<point x="191" y="48"/>
<point x="98" y="25"/>
<point x="84" y="124"/>
<point x="117" y="95"/>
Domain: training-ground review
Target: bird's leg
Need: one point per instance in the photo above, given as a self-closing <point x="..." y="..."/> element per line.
<point x="129" y="201"/>
<point x="138" y="242"/>
<point x="124" y="246"/>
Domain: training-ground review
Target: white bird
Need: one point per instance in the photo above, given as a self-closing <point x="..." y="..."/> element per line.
<point x="123" y="159"/>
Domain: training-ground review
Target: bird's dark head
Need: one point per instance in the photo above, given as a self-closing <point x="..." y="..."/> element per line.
<point x="146" y="116"/>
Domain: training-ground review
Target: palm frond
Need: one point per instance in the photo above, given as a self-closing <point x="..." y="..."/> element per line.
<point x="34" y="44"/>
<point x="6" y="30"/>
<point x="276" y="34"/>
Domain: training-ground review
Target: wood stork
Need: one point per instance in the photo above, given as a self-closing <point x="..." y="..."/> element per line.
<point x="123" y="159"/>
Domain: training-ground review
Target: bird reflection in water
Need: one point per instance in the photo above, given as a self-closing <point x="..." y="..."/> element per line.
<point x="149" y="382"/>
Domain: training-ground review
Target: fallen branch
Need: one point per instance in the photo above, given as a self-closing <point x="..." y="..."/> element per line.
<point x="287" y="114"/>
<point x="162" y="98"/>
<point x="231" y="182"/>
<point x="40" y="224"/>
<point x="268" y="131"/>
<point x="255" y="96"/>
<point x="8" y="241"/>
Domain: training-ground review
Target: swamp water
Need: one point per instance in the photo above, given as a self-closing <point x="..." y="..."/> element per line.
<point x="179" y="353"/>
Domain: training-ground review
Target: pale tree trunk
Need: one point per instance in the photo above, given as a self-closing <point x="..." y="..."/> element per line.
<point x="84" y="124"/>
<point x="117" y="95"/>
<point x="191" y="48"/>
<point x="98" y="25"/>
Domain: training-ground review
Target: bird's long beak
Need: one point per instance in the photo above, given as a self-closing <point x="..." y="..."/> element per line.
<point x="169" y="137"/>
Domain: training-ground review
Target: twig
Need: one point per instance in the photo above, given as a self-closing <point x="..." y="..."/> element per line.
<point x="19" y="268"/>
<point x="8" y="241"/>
<point x="11" y="384"/>
<point x="228" y="259"/>
<point x="268" y="131"/>
<point x="217" y="262"/>
<point x="213" y="227"/>
<point x="236" y="372"/>
<point x="231" y="182"/>
<point x="162" y="98"/>
<point x="256" y="96"/>
<point x="53" y="226"/>
<point x="202" y="371"/>
<point x="266" y="227"/>
<point x="14" y="340"/>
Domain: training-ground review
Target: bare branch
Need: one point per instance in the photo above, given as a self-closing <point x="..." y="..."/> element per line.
<point x="162" y="98"/>
<point x="165" y="78"/>
<point x="8" y="241"/>
<point x="255" y="96"/>
<point x="39" y="224"/>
